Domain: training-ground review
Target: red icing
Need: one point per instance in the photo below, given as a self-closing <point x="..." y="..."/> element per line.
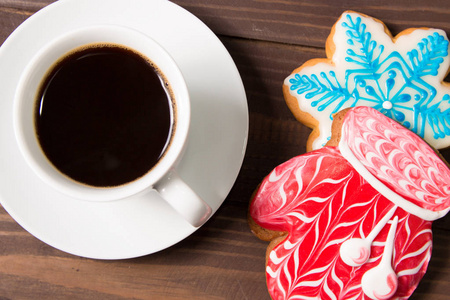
<point x="363" y="256"/>
<point x="322" y="201"/>
<point x="392" y="283"/>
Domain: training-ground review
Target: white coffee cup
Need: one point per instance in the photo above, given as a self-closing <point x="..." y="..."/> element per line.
<point x="163" y="176"/>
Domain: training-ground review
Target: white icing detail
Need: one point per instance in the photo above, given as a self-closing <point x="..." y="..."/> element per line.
<point x="302" y="298"/>
<point x="353" y="298"/>
<point x="387" y="105"/>
<point x="317" y="270"/>
<point x="356" y="251"/>
<point x="424" y="248"/>
<point x="271" y="273"/>
<point x="301" y="217"/>
<point x="298" y="179"/>
<point x="417" y="268"/>
<point x="335" y="242"/>
<point x="336" y="278"/>
<point x="273" y="177"/>
<point x="395" y="198"/>
<point x="345" y="224"/>
<point x="318" y="199"/>
<point x="283" y="196"/>
<point x="287" y="274"/>
<point x="328" y="291"/>
<point x="277" y="260"/>
<point x="288" y="245"/>
<point x="381" y="282"/>
<point x="311" y="283"/>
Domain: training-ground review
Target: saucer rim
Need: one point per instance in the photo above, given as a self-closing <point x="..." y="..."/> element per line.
<point x="25" y="219"/>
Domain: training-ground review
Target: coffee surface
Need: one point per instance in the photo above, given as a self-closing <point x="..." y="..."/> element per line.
<point x="104" y="116"/>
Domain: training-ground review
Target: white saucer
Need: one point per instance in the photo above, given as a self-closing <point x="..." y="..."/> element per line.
<point x="143" y="224"/>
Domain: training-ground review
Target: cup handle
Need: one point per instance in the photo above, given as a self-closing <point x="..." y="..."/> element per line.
<point x="183" y="199"/>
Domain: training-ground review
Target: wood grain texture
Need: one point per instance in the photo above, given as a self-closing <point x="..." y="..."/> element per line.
<point x="308" y="22"/>
<point x="267" y="40"/>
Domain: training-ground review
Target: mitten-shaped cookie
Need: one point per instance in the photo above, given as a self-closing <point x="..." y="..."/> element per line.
<point x="353" y="220"/>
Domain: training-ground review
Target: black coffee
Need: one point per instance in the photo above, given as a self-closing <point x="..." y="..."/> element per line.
<point x="104" y="115"/>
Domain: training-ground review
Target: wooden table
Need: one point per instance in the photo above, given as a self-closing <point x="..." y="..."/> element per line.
<point x="223" y="260"/>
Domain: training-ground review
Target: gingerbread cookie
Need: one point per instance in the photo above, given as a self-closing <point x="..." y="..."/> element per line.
<point x="401" y="77"/>
<point x="352" y="220"/>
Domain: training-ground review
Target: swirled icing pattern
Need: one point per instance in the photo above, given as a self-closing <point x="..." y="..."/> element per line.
<point x="398" y="158"/>
<point x="321" y="201"/>
<point x="401" y="77"/>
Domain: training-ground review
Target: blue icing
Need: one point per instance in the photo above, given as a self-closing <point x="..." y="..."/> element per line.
<point x="388" y="82"/>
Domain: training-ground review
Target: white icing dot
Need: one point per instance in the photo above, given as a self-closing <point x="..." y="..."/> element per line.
<point x="387" y="105"/>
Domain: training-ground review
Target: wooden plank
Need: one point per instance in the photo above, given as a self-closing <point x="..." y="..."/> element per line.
<point x="309" y="22"/>
<point x="9" y="20"/>
<point x="27" y="6"/>
<point x="221" y="261"/>
<point x="305" y="23"/>
<point x="436" y="282"/>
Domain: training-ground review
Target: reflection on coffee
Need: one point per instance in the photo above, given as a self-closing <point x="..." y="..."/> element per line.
<point x="104" y="115"/>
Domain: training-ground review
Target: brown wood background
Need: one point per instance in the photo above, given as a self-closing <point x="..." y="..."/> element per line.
<point x="267" y="39"/>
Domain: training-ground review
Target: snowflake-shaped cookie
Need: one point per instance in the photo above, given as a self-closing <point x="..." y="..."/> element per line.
<point x="401" y="77"/>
